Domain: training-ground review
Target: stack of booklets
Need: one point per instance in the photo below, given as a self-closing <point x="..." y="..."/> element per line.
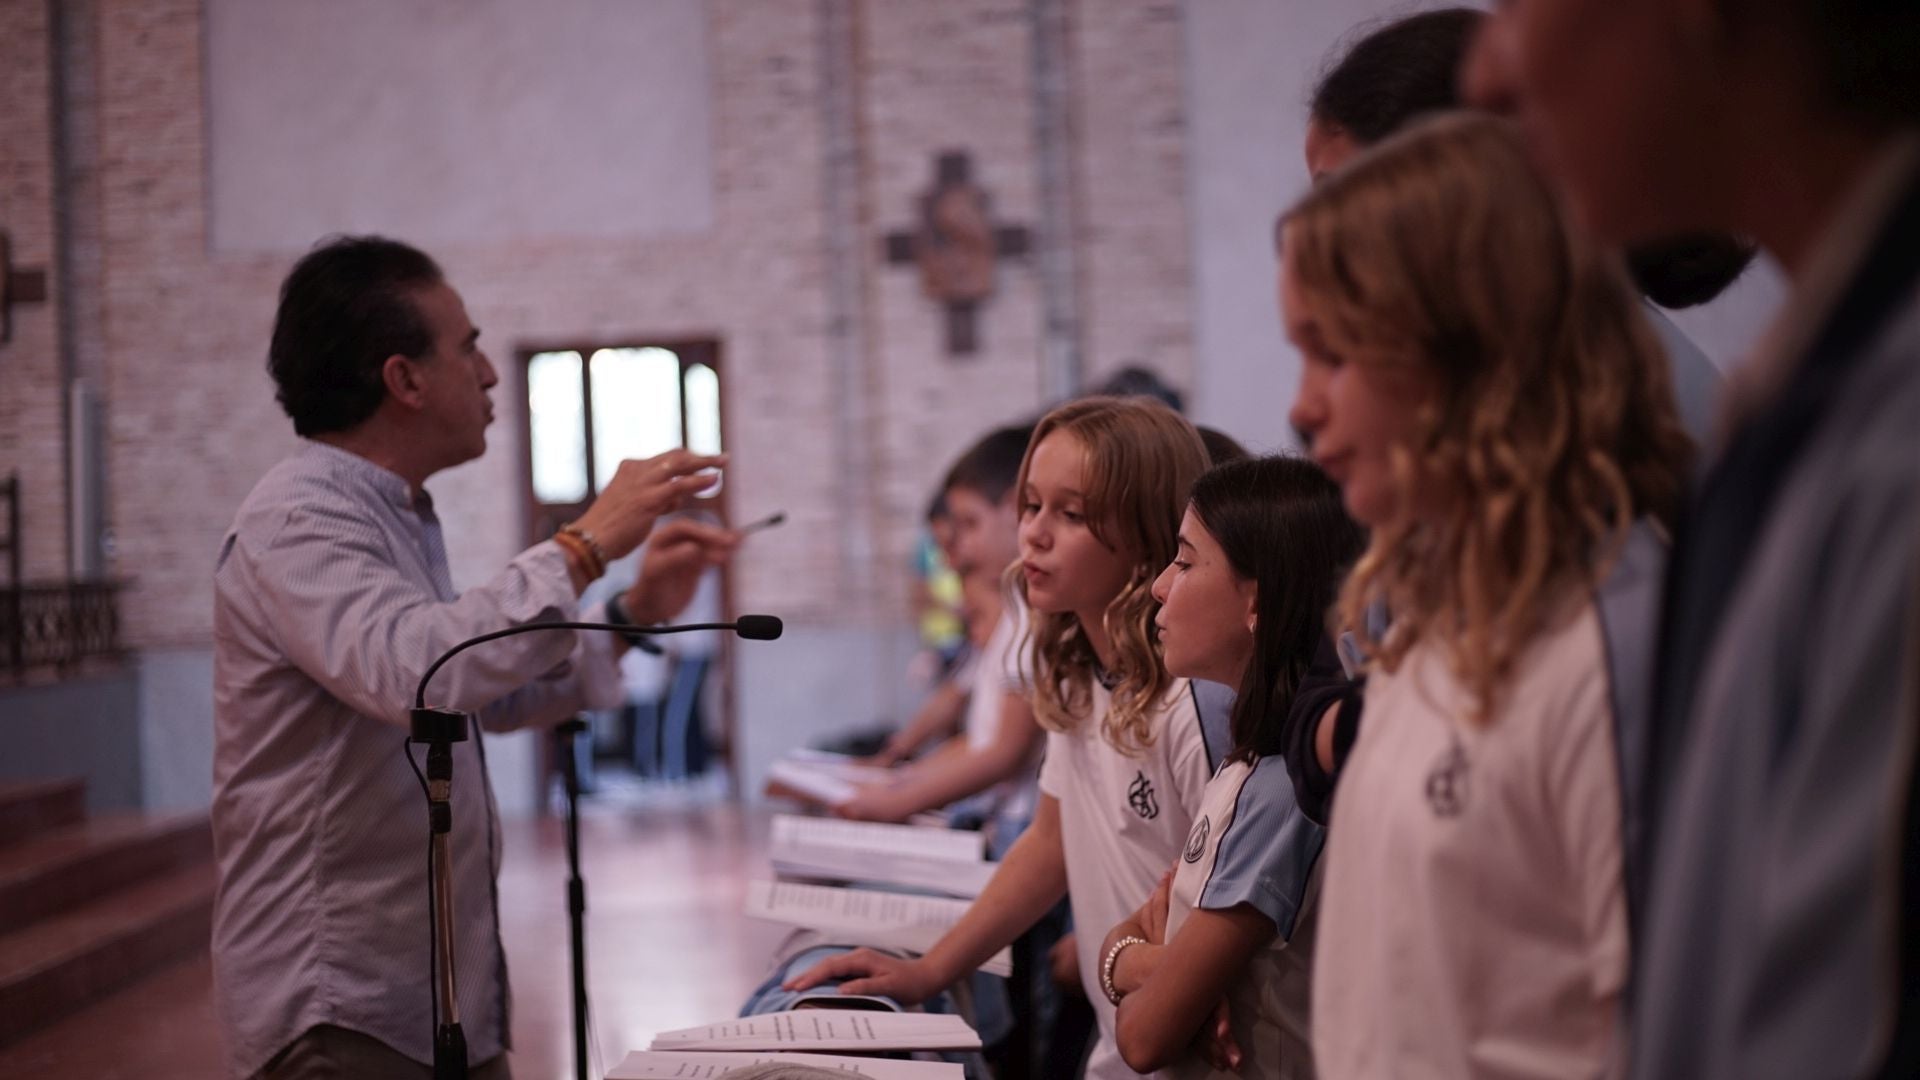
<point x="864" y="916"/>
<point x="648" y="1064"/>
<point x="951" y="862"/>
<point x="807" y="1037"/>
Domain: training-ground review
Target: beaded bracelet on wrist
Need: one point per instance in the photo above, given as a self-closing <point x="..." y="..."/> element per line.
<point x="1113" y="958"/>
<point x="593" y="547"/>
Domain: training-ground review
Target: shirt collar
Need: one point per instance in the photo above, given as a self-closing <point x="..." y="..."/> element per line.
<point x="389" y="484"/>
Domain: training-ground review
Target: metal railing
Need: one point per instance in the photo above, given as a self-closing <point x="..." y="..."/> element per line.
<point x="53" y="624"/>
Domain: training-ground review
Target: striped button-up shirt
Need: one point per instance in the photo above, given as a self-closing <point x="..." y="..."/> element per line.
<point x="331" y="598"/>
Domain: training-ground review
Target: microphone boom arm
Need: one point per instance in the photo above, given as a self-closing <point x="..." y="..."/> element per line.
<point x="756" y="627"/>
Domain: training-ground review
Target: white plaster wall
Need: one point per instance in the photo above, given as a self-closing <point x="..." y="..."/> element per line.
<point x="455" y="121"/>
<point x="1251" y="65"/>
<point x="817" y="680"/>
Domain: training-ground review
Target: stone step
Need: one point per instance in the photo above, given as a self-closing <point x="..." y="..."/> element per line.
<point x="66" y="867"/>
<point x="64" y="962"/>
<point x="31" y="807"/>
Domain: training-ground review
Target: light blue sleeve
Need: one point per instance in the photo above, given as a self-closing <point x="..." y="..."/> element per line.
<point x="1268" y="850"/>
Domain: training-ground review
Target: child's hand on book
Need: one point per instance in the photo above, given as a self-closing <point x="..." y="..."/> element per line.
<point x="868" y="972"/>
<point x="875" y="802"/>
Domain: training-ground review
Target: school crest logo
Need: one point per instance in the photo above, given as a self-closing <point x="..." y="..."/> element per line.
<point x="1197" y="840"/>
<point x="1447" y="782"/>
<point x="1140" y="796"/>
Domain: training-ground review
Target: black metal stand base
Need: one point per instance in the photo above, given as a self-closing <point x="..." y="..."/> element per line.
<point x="449" y="1053"/>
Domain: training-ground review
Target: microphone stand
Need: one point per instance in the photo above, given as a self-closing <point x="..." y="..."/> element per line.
<point x="439" y="729"/>
<point x="566" y="735"/>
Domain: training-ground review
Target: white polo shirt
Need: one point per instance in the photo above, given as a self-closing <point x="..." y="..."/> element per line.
<point x="1123" y="822"/>
<point x="1474" y="921"/>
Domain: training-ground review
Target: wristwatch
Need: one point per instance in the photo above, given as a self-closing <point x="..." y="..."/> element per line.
<point x="617" y="615"/>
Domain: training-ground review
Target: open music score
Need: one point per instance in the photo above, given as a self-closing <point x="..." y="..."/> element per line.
<point x="864" y="916"/>
<point x="649" y="1065"/>
<point x="857" y="1030"/>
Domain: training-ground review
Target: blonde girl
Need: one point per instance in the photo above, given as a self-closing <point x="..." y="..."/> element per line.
<point x="1100" y="495"/>
<point x="1478" y="380"/>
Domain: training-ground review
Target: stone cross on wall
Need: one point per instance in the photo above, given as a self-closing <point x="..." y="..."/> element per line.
<point x="16" y="287"/>
<point x="957" y="247"/>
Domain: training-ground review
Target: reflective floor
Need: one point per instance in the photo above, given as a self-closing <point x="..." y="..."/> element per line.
<point x="666" y="872"/>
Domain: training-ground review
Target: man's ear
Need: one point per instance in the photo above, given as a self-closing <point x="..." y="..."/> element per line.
<point x="401" y="376"/>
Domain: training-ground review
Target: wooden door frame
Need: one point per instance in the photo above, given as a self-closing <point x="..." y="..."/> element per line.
<point x="706" y="351"/>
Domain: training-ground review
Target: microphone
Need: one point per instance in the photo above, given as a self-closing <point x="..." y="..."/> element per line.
<point x="750" y="627"/>
<point x="759" y="627"/>
<point x="439" y="729"/>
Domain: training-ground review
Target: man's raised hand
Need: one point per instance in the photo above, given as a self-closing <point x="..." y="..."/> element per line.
<point x="640" y="492"/>
<point x="680" y="553"/>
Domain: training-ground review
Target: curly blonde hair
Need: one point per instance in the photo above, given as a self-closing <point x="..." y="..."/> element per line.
<point x="1142" y="460"/>
<point x="1549" y="426"/>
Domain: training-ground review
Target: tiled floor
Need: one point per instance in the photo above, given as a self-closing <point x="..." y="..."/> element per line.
<point x="667" y="947"/>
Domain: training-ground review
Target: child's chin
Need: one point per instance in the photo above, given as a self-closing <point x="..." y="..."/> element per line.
<point x="1039" y="600"/>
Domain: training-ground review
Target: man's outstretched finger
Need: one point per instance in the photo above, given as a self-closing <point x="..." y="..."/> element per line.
<point x="676" y="463"/>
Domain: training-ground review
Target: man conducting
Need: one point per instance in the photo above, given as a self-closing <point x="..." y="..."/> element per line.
<point x="331" y="596"/>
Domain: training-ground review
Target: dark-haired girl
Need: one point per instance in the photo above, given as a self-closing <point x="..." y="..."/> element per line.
<point x="1261" y="550"/>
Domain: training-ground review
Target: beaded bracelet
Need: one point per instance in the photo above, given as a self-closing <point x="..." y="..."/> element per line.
<point x="593" y="546"/>
<point x="1113" y="957"/>
<point x="593" y="566"/>
<point x="600" y="554"/>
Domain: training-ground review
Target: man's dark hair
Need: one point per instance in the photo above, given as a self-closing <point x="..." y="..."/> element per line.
<point x="345" y="307"/>
<point x="1407" y="68"/>
<point x="1281" y="523"/>
<point x="991" y="466"/>
<point x="1396" y="72"/>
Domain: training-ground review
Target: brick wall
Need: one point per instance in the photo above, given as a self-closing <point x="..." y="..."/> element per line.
<point x="31" y="396"/>
<point x="971" y="92"/>
<point x="192" y="422"/>
<point x="1131" y="171"/>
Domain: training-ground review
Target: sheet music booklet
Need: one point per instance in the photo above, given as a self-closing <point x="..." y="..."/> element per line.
<point x="947" y="861"/>
<point x="826" y="1029"/>
<point x="865" y="917"/>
